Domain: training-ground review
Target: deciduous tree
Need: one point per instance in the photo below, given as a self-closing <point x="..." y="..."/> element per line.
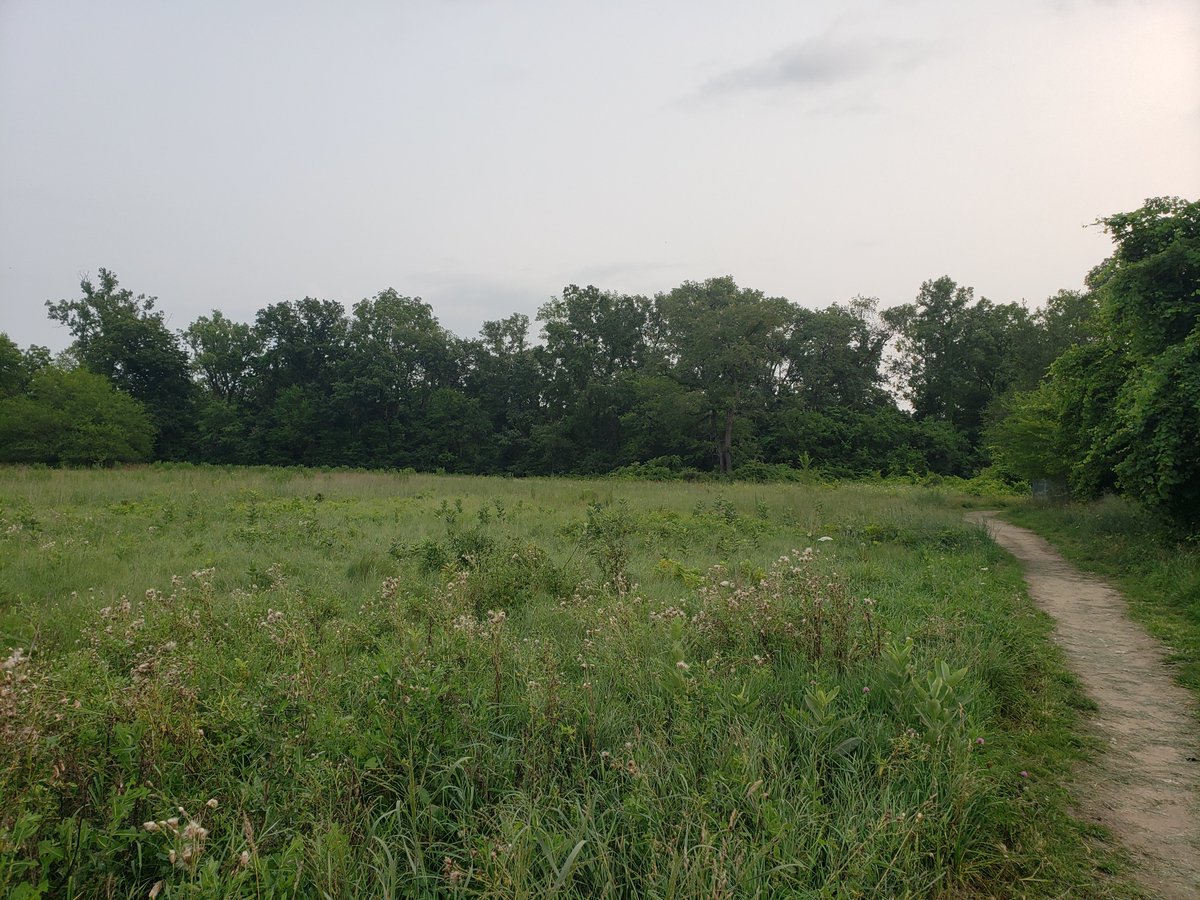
<point x="124" y="338"/>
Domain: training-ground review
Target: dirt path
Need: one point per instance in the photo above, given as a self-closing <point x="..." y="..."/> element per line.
<point x="1144" y="788"/>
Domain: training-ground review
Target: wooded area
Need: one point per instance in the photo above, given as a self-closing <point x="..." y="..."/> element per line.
<point x="1100" y="388"/>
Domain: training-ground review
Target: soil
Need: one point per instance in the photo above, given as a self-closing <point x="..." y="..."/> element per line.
<point x="1144" y="786"/>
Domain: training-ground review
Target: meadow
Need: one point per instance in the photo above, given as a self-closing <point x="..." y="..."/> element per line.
<point x="277" y="682"/>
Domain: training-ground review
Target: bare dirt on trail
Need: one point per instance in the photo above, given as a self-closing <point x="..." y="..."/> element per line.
<point x="1144" y="786"/>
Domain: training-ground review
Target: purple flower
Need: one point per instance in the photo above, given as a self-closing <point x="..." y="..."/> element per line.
<point x="979" y="741"/>
<point x="866" y="690"/>
<point x="1024" y="774"/>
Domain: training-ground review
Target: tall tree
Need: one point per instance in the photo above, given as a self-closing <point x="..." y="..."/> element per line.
<point x="304" y="346"/>
<point x="832" y="356"/>
<point x="955" y="355"/>
<point x="1066" y="320"/>
<point x="1122" y="407"/>
<point x="18" y="367"/>
<point x="724" y="343"/>
<point x="502" y="375"/>
<point x="397" y="357"/>
<point x="124" y="338"/>
<point x="223" y="355"/>
<point x="1149" y="292"/>
<point x="593" y="335"/>
<point x="592" y="341"/>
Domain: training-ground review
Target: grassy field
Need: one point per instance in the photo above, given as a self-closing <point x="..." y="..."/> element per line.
<point x="274" y="683"/>
<point x="1157" y="572"/>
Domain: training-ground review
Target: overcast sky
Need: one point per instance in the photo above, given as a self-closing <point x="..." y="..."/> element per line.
<point x="482" y="155"/>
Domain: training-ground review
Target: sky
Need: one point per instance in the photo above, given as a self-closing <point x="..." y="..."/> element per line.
<point x="482" y="155"/>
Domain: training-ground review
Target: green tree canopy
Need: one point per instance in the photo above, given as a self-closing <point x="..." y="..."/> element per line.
<point x="1121" y="407"/>
<point x="75" y="417"/>
<point x="123" y="337"/>
<point x="956" y="354"/>
<point x="1149" y="294"/>
<point x="725" y="343"/>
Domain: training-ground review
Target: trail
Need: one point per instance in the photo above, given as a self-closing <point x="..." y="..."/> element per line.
<point x="1144" y="786"/>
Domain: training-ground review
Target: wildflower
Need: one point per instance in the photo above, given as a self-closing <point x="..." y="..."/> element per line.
<point x="212" y="804"/>
<point x="979" y="741"/>
<point x="682" y="666"/>
<point x="150" y="826"/>
<point x="1024" y="774"/>
<point x="866" y="690"/>
<point x="16" y="658"/>
<point x="451" y="870"/>
<point x="244" y="859"/>
<point x="156" y="890"/>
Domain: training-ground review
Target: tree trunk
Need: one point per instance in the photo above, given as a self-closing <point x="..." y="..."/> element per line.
<point x="716" y="436"/>
<point x="727" y="446"/>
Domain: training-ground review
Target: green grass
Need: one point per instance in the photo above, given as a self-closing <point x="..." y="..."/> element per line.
<point x="409" y="685"/>
<point x="1157" y="572"/>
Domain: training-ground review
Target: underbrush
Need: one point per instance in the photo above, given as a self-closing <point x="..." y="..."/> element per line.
<point x="477" y="687"/>
<point x="1158" y="571"/>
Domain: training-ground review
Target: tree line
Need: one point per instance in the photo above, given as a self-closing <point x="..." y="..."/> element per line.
<point x="709" y="377"/>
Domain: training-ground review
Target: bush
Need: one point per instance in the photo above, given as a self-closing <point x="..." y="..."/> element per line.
<point x="73" y="418"/>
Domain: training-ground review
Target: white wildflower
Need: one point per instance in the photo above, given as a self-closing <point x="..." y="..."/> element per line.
<point x="16" y="658"/>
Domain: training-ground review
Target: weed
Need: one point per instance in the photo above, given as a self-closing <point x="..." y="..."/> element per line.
<point x="712" y="711"/>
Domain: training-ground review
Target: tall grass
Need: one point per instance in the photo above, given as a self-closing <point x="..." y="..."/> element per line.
<point x="408" y="685"/>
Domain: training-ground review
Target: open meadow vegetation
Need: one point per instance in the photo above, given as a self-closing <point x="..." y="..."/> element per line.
<point x="280" y="682"/>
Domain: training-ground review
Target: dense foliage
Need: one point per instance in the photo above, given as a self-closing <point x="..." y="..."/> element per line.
<point x="709" y="377"/>
<point x="1121" y="409"/>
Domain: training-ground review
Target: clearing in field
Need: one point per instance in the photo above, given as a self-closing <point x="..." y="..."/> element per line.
<point x="278" y="682"/>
